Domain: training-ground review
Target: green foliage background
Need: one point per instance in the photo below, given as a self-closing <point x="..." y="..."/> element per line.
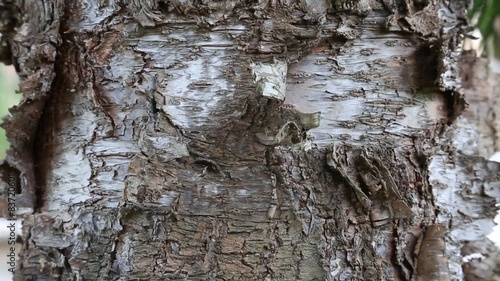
<point x="8" y="97"/>
<point x="487" y="13"/>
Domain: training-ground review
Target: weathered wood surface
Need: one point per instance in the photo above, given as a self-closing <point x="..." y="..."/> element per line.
<point x="244" y="140"/>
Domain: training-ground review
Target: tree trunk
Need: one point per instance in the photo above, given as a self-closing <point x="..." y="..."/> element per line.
<point x="249" y="140"/>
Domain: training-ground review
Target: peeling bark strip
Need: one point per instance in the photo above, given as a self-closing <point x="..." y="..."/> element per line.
<point x="235" y="140"/>
<point x="31" y="30"/>
<point x="432" y="263"/>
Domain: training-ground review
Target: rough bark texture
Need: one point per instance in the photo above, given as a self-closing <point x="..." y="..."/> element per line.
<point x="246" y="140"/>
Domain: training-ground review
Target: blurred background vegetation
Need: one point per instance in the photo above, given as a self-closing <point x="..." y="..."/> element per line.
<point x="485" y="16"/>
<point x="8" y="86"/>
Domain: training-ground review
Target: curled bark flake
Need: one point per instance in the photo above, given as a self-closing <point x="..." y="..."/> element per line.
<point x="432" y="263"/>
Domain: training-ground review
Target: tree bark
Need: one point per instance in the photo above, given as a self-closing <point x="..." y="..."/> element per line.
<point x="249" y="140"/>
